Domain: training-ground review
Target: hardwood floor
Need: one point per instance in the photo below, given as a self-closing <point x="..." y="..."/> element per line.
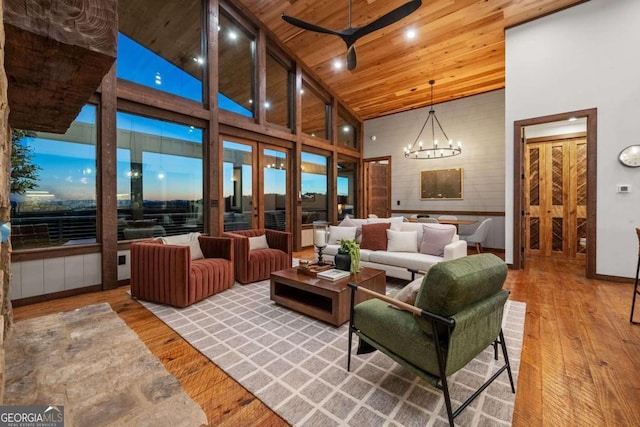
<point x="580" y="363"/>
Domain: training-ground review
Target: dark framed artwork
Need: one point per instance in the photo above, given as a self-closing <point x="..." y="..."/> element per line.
<point x="441" y="184"/>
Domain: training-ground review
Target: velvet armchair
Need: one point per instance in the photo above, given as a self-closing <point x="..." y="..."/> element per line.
<point x="457" y="314"/>
<point x="253" y="265"/>
<point x="167" y="274"/>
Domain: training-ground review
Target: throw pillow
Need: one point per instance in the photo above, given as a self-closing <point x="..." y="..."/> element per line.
<point x="258" y="242"/>
<point x="339" y="232"/>
<point x="434" y="239"/>
<point x="402" y="241"/>
<point x="409" y="293"/>
<point x="196" y="251"/>
<point x="354" y="222"/>
<point x="190" y="239"/>
<point x="347" y="222"/>
<point x="374" y="236"/>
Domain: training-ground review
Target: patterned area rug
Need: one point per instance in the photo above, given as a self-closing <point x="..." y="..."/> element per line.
<point x="91" y="362"/>
<point x="297" y="365"/>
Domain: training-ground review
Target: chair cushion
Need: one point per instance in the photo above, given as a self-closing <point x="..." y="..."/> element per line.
<point x="374" y="236"/>
<point x="397" y="331"/>
<point x="262" y="262"/>
<point x="402" y="260"/>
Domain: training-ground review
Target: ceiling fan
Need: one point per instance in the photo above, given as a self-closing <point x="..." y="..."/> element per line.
<point x="351" y="34"/>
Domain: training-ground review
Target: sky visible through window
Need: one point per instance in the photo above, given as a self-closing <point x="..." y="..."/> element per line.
<point x="68" y="169"/>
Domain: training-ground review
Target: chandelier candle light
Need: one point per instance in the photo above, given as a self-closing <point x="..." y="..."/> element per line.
<point x="418" y="150"/>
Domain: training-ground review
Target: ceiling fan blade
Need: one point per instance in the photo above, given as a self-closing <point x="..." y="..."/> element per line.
<point x="388" y="19"/>
<point x="352" y="62"/>
<point x="307" y="26"/>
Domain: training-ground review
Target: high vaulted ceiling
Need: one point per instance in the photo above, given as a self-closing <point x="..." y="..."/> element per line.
<point x="458" y="43"/>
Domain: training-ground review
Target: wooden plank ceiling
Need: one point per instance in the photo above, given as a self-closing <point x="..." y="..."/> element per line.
<point x="458" y="43"/>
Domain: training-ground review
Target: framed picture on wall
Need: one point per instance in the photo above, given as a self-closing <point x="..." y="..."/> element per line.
<point x="441" y="184"/>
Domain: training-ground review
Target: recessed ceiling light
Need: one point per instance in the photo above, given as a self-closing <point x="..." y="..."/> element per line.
<point x="337" y="64"/>
<point x="233" y="35"/>
<point x="267" y="105"/>
<point x="410" y="34"/>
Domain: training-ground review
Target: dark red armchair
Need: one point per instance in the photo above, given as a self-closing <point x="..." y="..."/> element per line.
<point x="255" y="265"/>
<point x="166" y="274"/>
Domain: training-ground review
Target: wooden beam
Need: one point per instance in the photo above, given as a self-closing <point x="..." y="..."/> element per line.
<point x="56" y="54"/>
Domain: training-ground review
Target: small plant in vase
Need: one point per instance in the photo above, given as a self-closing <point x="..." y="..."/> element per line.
<point x="352" y="250"/>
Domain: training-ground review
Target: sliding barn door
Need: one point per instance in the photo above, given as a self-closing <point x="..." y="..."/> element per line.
<point x="556" y="198"/>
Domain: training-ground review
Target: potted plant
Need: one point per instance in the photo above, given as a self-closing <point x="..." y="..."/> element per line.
<point x="348" y="256"/>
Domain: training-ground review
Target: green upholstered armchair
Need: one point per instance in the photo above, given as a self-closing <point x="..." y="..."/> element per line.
<point x="457" y="315"/>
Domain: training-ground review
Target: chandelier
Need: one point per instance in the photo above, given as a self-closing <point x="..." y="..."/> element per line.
<point x="419" y="150"/>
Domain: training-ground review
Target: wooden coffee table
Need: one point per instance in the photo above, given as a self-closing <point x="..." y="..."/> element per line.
<point x="322" y="299"/>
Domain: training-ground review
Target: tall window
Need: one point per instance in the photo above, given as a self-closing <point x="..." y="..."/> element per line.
<point x="274" y="189"/>
<point x="315" y="112"/>
<point x="278" y="102"/>
<point x="159" y="178"/>
<point x="314" y="188"/>
<point x="347" y="182"/>
<point x="236" y="65"/>
<point x="237" y="186"/>
<point x="347" y="130"/>
<point x="59" y="208"/>
<point x="161" y="52"/>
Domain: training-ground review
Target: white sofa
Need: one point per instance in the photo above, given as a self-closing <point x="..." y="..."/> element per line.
<point x="396" y="264"/>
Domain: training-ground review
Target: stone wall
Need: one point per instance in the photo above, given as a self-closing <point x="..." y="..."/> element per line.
<point x="6" y="313"/>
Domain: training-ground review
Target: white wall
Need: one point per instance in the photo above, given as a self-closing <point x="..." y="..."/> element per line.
<point x="478" y="122"/>
<point x="47" y="276"/>
<point x="584" y="57"/>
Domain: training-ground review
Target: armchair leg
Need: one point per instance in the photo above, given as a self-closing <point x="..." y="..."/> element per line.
<point x="506" y="360"/>
<point x="351" y="325"/>
<point x="478" y="247"/>
<point x="635" y="294"/>
<point x="443" y="377"/>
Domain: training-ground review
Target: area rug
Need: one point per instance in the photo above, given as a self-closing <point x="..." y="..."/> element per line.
<point x="297" y="365"/>
<point x="91" y="362"/>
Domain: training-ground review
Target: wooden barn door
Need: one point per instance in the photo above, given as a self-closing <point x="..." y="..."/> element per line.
<point x="377" y="187"/>
<point x="556" y="198"/>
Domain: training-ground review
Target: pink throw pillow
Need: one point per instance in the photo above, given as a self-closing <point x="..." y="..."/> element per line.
<point x="434" y="239"/>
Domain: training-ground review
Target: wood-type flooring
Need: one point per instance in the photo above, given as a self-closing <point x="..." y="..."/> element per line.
<point x="580" y="363"/>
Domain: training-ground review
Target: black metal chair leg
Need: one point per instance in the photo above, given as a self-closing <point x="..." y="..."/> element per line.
<point x="635" y="288"/>
<point x="635" y="294"/>
<point x="351" y="325"/>
<point x="506" y="360"/>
